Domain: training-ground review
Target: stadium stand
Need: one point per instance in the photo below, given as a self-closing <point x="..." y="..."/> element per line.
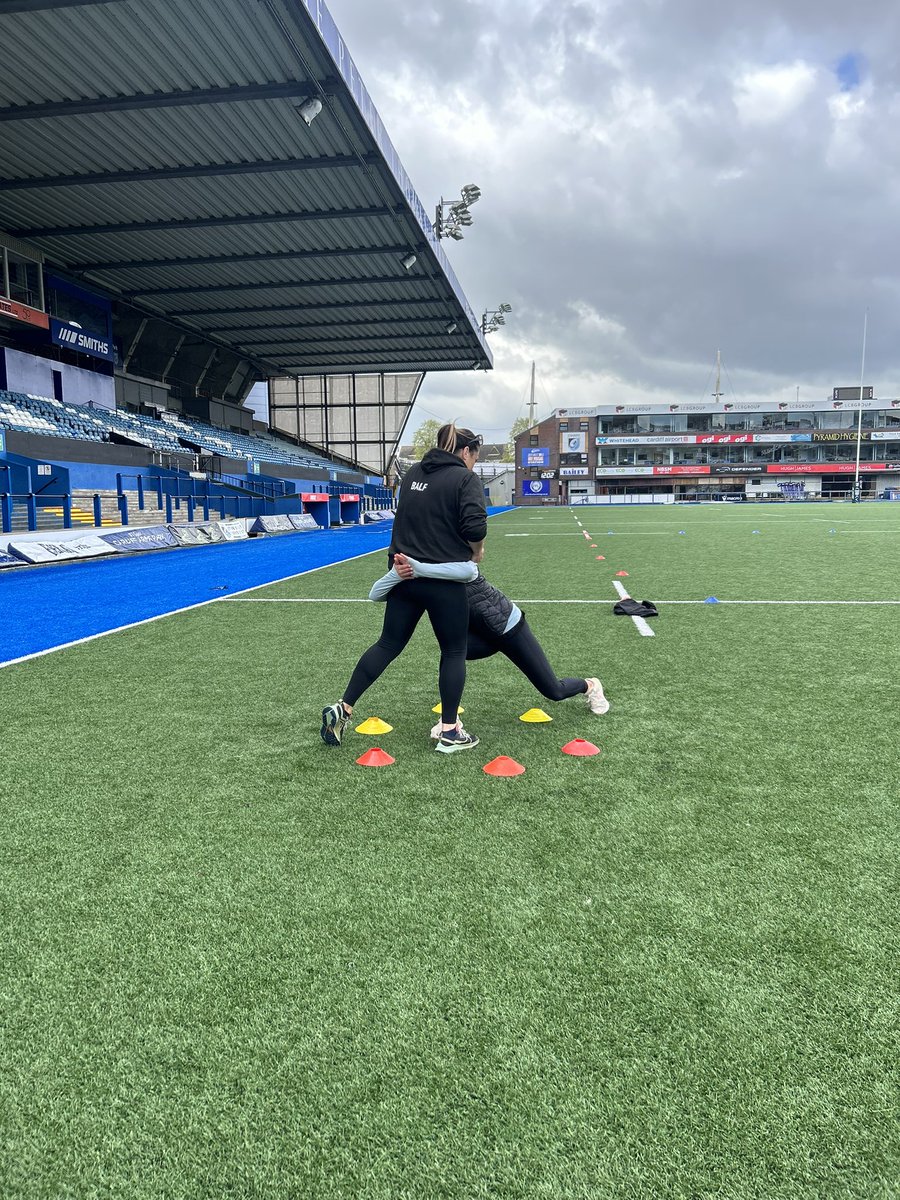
<point x="170" y="433"/>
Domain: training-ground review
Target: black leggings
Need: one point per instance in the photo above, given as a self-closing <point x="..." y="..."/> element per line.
<point x="447" y="605"/>
<point x="523" y="649"/>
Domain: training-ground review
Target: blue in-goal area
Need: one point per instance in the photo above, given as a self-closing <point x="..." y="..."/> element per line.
<point x="42" y="608"/>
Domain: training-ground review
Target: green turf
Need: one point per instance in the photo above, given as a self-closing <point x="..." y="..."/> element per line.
<point x="237" y="965"/>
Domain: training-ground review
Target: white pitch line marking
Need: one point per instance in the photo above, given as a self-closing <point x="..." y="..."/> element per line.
<point x="365" y="600"/>
<point x="640" y="624"/>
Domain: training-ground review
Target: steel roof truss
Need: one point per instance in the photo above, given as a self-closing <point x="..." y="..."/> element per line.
<point x="192" y="171"/>
<point x="334" y="214"/>
<point x="288" y="90"/>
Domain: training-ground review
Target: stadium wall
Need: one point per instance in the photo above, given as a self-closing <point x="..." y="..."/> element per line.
<point x="33" y="375"/>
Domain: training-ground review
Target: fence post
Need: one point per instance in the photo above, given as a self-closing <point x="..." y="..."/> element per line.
<point x="222" y="507"/>
<point x="140" y="492"/>
<point x="32" y="512"/>
<point x="168" y="508"/>
<point x="123" y="508"/>
<point x="190" y="507"/>
<point x="206" y="508"/>
<point x="67" y="511"/>
<point x="159" y="496"/>
<point x="98" y="511"/>
<point x="6" y="508"/>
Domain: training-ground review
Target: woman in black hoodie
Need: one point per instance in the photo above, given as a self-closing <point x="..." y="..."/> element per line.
<point x="441" y="518"/>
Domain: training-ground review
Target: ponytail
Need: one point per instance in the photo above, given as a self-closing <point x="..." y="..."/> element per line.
<point x="452" y="440"/>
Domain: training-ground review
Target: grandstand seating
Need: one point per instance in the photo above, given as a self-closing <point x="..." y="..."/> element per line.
<point x="53" y="418"/>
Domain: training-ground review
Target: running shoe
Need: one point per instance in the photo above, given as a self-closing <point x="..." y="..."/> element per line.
<point x="597" y="702"/>
<point x="334" y="722"/>
<point x="456" y="739"/>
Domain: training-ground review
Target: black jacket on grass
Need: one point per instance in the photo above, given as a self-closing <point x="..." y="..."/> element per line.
<point x="440" y="510"/>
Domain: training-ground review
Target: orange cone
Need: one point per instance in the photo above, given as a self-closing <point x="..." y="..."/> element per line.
<point x="579" y="748"/>
<point x="601" y="558"/>
<point x="593" y="545"/>
<point x="504" y="767"/>
<point x="622" y="574"/>
<point x="375" y="757"/>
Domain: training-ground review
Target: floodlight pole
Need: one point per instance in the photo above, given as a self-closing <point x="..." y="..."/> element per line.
<point x="862" y="372"/>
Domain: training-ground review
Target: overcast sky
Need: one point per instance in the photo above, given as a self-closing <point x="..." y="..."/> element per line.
<point x="660" y="179"/>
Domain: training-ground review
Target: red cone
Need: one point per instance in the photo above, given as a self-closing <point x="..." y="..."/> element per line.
<point x="504" y="767"/>
<point x="601" y="558"/>
<point x="375" y="757"/>
<point x="622" y="574"/>
<point x="579" y="748"/>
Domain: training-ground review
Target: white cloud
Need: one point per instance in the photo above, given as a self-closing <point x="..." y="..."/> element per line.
<point x="770" y="94"/>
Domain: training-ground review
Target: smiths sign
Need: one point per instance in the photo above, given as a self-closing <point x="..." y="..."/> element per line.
<point x="64" y="334"/>
<point x="80" y="320"/>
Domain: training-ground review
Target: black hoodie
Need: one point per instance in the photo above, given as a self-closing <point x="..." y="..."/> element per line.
<point x="439" y="511"/>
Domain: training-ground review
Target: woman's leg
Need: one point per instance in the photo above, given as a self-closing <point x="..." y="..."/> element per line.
<point x="523" y="649"/>
<point x="447" y="605"/>
<point x="405" y="606"/>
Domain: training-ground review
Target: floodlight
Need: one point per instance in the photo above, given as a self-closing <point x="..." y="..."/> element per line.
<point x="452" y="327"/>
<point x="408" y="262"/>
<point x="471" y="193"/>
<point x="455" y="233"/>
<point x="505" y="308"/>
<point x="309" y="109"/>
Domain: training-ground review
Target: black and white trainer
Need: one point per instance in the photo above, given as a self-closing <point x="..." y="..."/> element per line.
<point x="334" y="722"/>
<point x="452" y="740"/>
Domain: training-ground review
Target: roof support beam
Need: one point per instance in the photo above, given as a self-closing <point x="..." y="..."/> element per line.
<point x="334" y="214"/>
<point x="28" y="6"/>
<point x="215" y="260"/>
<point x="286" y="308"/>
<point x="289" y="90"/>
<point x="311" y="329"/>
<point x="270" y="285"/>
<point x="193" y="171"/>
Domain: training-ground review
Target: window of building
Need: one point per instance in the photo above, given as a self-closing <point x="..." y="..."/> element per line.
<point x="533" y="439"/>
<point x="21" y="279"/>
<point x="563" y="426"/>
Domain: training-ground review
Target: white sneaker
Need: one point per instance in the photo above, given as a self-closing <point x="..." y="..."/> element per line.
<point x="597" y="702"/>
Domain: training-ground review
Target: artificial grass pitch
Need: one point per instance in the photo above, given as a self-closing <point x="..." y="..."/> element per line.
<point x="237" y="964"/>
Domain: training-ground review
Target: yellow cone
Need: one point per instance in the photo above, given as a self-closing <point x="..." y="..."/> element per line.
<point x="535" y="715"/>
<point x="374" y="725"/>
<point x="437" y="708"/>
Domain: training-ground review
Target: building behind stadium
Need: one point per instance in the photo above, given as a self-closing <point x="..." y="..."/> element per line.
<point x="684" y="452"/>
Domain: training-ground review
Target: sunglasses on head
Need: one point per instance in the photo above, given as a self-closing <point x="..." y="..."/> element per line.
<point x="474" y="443"/>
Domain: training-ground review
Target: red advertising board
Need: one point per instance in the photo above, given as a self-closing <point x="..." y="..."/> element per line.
<point x="821" y="468"/>
<point x="348" y="497"/>
<point x="688" y="470"/>
<point x="311" y="497"/>
<point x="21" y="312"/>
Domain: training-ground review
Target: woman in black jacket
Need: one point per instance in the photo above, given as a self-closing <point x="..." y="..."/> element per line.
<point x="441" y="518"/>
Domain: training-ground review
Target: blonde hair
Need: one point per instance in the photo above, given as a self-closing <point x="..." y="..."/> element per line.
<point x="453" y="440"/>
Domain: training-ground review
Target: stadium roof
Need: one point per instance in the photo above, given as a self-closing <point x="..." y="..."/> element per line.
<point x="154" y="149"/>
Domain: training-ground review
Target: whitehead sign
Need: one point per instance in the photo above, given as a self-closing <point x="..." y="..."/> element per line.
<point x="535" y="456"/>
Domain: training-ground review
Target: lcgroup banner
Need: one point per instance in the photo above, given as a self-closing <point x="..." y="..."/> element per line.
<point x="536" y="487"/>
<point x="535" y="456"/>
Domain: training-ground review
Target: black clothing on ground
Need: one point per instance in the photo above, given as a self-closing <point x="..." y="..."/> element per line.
<point x="522" y="649"/>
<point x="440" y="510"/>
<point x="448" y="610"/>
